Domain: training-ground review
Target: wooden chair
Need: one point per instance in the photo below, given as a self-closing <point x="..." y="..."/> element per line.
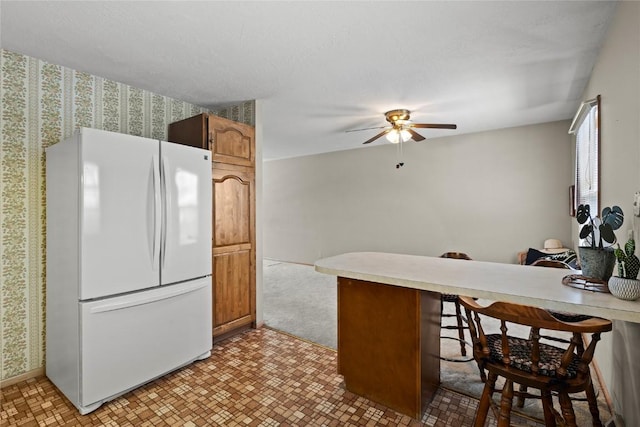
<point x="527" y="361"/>
<point x="560" y="315"/>
<point x="460" y="325"/>
<point x="551" y="263"/>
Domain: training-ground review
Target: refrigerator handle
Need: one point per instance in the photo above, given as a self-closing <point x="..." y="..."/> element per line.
<point x="157" y="208"/>
<point x="166" y="208"/>
<point x="146" y="298"/>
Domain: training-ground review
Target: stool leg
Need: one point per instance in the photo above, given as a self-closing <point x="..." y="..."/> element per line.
<point x="520" y="400"/>
<point x="483" y="375"/>
<point x="593" y="405"/>
<point x="567" y="409"/>
<point x="463" y="350"/>
<point x="547" y="405"/>
<point x="504" y="418"/>
<point x="485" y="400"/>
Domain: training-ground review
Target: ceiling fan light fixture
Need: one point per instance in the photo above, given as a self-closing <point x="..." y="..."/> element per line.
<point x="395" y="135"/>
<point x="402" y="128"/>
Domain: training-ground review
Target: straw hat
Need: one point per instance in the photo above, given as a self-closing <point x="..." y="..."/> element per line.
<point x="553" y="246"/>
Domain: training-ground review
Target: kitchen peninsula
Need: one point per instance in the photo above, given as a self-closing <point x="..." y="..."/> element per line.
<point x="389" y="316"/>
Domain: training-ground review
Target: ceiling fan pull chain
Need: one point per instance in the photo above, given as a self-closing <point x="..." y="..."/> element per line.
<point x="399" y="153"/>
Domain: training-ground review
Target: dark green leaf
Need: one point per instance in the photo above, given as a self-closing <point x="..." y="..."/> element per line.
<point x="606" y="233"/>
<point x="586" y="230"/>
<point x="583" y="214"/>
<point x="613" y="216"/>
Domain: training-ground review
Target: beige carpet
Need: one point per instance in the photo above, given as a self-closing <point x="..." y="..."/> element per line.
<point x="303" y="303"/>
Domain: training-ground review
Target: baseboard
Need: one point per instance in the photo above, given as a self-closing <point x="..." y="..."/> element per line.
<point x="22" y="377"/>
<point x="616" y="421"/>
<point x="603" y="386"/>
<point x="288" y="262"/>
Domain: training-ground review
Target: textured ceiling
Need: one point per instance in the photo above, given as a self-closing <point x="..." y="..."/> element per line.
<point x="320" y="68"/>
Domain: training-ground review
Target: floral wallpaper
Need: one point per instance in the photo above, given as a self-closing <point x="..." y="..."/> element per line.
<point x="41" y="104"/>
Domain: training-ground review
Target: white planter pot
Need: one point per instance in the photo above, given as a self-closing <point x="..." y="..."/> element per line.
<point x="628" y="289"/>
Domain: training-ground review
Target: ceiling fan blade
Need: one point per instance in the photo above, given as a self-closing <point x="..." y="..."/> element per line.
<point x="358" y="130"/>
<point x="415" y="135"/>
<point x="384" y="132"/>
<point x="433" y="126"/>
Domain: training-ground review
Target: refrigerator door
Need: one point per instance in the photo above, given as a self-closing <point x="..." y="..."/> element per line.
<point x="186" y="234"/>
<point x="129" y="340"/>
<point x="120" y="213"/>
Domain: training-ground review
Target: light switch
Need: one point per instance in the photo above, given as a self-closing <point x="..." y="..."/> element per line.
<point x="636" y="204"/>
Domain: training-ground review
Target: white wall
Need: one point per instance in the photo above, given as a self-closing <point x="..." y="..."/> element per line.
<point x="488" y="194"/>
<point x="616" y="77"/>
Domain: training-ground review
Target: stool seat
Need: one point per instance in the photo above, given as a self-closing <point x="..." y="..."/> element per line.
<point x="520" y="356"/>
<point x="449" y="297"/>
<point x="569" y="317"/>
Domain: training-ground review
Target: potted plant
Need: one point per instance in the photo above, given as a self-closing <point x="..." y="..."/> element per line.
<point x="597" y="260"/>
<point x="625" y="285"/>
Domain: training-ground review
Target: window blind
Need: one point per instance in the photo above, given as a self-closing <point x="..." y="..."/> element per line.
<point x="586" y="129"/>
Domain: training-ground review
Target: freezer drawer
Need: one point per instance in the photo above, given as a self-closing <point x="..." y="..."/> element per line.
<point x="129" y="340"/>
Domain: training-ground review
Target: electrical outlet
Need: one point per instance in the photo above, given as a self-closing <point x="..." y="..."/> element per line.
<point x="636" y="203"/>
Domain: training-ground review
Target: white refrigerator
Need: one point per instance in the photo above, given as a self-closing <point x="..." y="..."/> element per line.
<point x="128" y="295"/>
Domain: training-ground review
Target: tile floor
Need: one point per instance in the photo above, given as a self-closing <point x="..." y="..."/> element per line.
<point x="260" y="378"/>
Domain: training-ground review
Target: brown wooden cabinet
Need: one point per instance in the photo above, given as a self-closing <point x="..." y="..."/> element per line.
<point x="233" y="246"/>
<point x="231" y="143"/>
<point x="234" y="266"/>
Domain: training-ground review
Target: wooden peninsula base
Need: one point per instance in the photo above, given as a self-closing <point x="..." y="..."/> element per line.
<point x="389" y="343"/>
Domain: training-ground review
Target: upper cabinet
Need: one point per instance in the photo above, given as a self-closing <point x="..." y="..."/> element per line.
<point x="229" y="141"/>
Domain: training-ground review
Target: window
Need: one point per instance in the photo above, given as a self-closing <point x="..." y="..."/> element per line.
<point x="586" y="127"/>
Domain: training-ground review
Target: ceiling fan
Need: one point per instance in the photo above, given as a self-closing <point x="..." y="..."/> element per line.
<point x="401" y="128"/>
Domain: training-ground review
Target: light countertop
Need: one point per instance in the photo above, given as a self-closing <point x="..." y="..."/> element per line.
<point x="529" y="285"/>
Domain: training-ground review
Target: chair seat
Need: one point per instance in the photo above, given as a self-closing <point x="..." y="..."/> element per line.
<point x="520" y="356"/>
<point x="569" y="317"/>
<point x="449" y="297"/>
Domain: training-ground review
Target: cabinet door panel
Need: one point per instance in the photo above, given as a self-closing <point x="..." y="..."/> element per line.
<point x="232" y="290"/>
<point x="231" y="142"/>
<point x="232" y="204"/>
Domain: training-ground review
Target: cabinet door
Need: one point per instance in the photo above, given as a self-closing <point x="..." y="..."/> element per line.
<point x="233" y="248"/>
<point x="191" y="131"/>
<point x="231" y="142"/>
<point x="232" y="290"/>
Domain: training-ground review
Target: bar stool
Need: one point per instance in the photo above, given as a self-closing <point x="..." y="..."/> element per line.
<point x="550" y="369"/>
<point x="461" y="321"/>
